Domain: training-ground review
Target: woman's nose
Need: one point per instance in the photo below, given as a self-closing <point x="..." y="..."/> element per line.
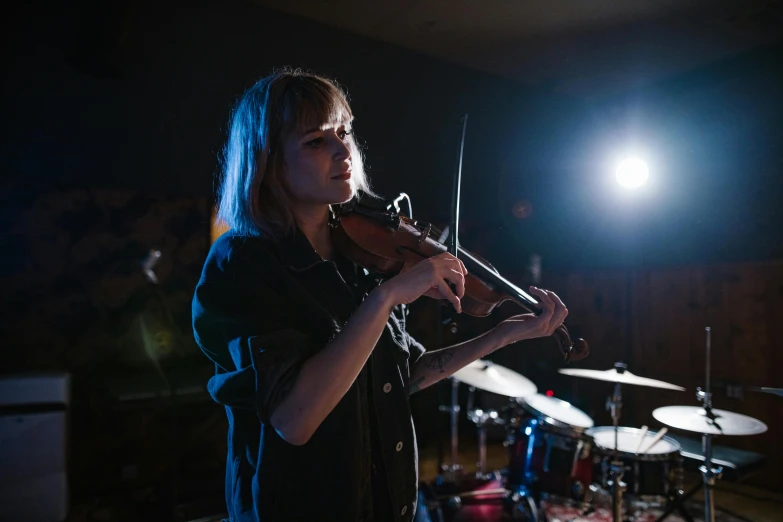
<point x="340" y="147"/>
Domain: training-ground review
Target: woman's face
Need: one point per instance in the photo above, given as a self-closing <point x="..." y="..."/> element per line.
<point x="318" y="165"/>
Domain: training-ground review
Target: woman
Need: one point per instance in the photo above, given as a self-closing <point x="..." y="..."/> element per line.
<point x="312" y="359"/>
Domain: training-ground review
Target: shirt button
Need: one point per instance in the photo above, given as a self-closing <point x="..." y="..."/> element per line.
<point x="404" y="510"/>
<point x="387" y="387"/>
<point x="399" y="446"/>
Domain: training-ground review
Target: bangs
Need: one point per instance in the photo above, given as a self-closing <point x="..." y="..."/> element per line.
<point x="310" y="103"/>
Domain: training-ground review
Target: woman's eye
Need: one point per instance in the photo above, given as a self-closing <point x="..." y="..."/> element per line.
<point x="344" y="134"/>
<point x="315" y="143"/>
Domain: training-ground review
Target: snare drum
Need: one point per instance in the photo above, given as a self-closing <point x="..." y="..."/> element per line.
<point x="549" y="452"/>
<point x="652" y="475"/>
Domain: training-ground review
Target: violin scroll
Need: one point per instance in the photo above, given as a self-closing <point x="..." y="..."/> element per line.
<point x="571" y="350"/>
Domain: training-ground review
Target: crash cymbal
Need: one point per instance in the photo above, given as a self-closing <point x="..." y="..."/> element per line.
<point x="494" y="378"/>
<point x="625" y="377"/>
<point x="694" y="418"/>
<point x="766" y="389"/>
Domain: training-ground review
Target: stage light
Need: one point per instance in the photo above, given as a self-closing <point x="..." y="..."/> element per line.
<point x="632" y="173"/>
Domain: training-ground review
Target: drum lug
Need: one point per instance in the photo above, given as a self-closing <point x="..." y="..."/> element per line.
<point x="548" y="442"/>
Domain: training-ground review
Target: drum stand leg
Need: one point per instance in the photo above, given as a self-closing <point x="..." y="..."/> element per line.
<point x="481" y="465"/>
<point x="678" y="503"/>
<point x="616" y="468"/>
<point x="708" y="473"/>
<point x="453" y="469"/>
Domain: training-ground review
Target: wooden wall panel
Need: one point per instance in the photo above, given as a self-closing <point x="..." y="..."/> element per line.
<point x="742" y="306"/>
<point x="661" y="335"/>
<point x="597" y="304"/>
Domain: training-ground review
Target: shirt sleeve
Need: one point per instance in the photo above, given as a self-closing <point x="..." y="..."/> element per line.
<point x="415" y="348"/>
<point x="239" y="323"/>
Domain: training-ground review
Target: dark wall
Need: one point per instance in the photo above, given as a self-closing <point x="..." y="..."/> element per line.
<point x="114" y="117"/>
<point x="134" y="97"/>
<point x="711" y="138"/>
<point x="152" y="113"/>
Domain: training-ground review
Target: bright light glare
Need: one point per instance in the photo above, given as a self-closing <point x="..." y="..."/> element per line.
<point x="632" y="173"/>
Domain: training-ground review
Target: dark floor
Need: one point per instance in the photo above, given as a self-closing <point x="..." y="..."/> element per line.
<point x="734" y="502"/>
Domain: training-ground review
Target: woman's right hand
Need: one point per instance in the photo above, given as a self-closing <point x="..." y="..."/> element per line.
<point x="431" y="277"/>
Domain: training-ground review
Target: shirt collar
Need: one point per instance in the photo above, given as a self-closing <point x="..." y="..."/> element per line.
<point x="296" y="252"/>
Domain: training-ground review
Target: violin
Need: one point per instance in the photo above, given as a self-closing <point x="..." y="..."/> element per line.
<point x="382" y="241"/>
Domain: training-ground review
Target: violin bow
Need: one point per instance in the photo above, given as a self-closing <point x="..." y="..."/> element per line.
<point x="453" y="241"/>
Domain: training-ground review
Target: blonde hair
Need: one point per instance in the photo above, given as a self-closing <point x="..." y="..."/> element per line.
<point x="252" y="198"/>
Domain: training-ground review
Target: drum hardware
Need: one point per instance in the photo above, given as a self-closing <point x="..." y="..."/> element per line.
<point x="616" y="467"/>
<point x="451" y="472"/>
<point x="613" y="468"/>
<point x="488" y="376"/>
<point x="616" y="470"/>
<point x="709" y="422"/>
<point x="482" y="419"/>
<point x="614" y="405"/>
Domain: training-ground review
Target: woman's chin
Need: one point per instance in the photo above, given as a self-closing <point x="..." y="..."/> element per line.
<point x="346" y="194"/>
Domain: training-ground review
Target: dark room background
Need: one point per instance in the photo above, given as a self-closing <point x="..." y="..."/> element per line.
<point x="114" y="116"/>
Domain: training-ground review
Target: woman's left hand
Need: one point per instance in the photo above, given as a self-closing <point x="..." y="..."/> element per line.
<point x="531" y="326"/>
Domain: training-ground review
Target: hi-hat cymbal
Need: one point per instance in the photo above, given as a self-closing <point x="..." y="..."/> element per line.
<point x="625" y="377"/>
<point x="694" y="418"/>
<point x="494" y="378"/>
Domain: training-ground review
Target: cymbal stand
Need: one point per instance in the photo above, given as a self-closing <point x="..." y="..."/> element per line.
<point x="708" y="473"/>
<point x="452" y="470"/>
<point x="481" y="419"/>
<point x="615" y="468"/>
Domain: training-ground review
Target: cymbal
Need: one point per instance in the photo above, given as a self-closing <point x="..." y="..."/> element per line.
<point x="625" y="377"/>
<point x="766" y="389"/>
<point x="694" y="418"/>
<point x="495" y="378"/>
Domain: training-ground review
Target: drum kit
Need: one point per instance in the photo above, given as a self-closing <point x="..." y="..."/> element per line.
<point x="557" y="456"/>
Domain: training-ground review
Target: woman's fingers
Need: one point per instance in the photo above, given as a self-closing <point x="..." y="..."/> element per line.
<point x="547" y="305"/>
<point x="458" y="280"/>
<point x="452" y="270"/>
<point x="446" y="292"/>
<point x="554" y="310"/>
